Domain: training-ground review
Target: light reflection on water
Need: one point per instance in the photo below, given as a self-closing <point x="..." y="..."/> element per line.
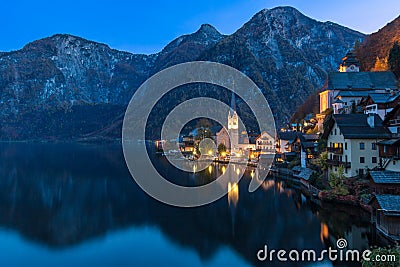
<point x="76" y="205"/>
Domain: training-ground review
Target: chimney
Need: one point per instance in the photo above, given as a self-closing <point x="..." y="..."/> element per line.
<point x="371" y="120"/>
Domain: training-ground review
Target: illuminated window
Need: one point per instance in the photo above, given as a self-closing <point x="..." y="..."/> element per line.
<point x="336" y="145"/>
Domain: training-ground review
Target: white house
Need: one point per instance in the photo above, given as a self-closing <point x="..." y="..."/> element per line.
<point x="352" y="142"/>
<point x="266" y="143"/>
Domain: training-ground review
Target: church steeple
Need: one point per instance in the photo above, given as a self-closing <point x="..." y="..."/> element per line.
<point x="233" y="104"/>
<point x="233" y="123"/>
<point x="233" y="119"/>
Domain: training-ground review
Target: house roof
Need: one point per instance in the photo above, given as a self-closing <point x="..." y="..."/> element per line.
<point x="304" y="174"/>
<point x="287" y="135"/>
<point x="306" y="137"/>
<point x="392" y="114"/>
<point x="383" y="98"/>
<point x="362" y="80"/>
<point x="311" y="137"/>
<point x="338" y="101"/>
<point x="297" y="168"/>
<point x="351" y="93"/>
<point x="308" y="144"/>
<point x="355" y="126"/>
<point x="389" y="203"/>
<point x="309" y="116"/>
<point x="385" y="177"/>
<point x="264" y="133"/>
<point x="307" y="140"/>
<point x="390" y="142"/>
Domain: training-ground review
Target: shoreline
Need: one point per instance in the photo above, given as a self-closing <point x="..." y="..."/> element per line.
<point x="323" y="195"/>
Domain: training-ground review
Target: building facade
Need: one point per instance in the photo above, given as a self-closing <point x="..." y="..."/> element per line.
<point x="352" y="142"/>
<point x="236" y="143"/>
<point x="384" y="182"/>
<point x="386" y="215"/>
<point x="381" y="104"/>
<point x="265" y="143"/>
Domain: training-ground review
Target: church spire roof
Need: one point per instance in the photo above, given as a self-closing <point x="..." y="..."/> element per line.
<point x="349" y="63"/>
<point x="350" y="59"/>
<point x="233" y="103"/>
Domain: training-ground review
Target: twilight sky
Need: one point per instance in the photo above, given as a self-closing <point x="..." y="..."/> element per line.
<point x="147" y="26"/>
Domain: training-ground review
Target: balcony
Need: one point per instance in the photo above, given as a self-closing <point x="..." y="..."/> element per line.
<point x="389" y="155"/>
<point x="335" y="150"/>
<point x="387" y="151"/>
<point x="334" y="162"/>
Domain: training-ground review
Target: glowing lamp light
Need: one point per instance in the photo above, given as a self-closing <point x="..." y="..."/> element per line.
<point x="233" y="187"/>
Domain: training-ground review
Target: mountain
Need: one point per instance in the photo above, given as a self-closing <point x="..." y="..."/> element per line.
<point x="49" y="86"/>
<point x="187" y="47"/>
<point x="286" y="53"/>
<point x="66" y="87"/>
<point x="374" y="51"/>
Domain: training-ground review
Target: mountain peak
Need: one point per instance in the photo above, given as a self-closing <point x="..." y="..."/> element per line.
<point x="48" y="44"/>
<point x="279" y="20"/>
<point x="283" y="13"/>
<point x="279" y="10"/>
<point x="188" y="47"/>
<point x="208" y="29"/>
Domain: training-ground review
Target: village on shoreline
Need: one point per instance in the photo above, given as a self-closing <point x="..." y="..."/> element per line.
<point x="348" y="153"/>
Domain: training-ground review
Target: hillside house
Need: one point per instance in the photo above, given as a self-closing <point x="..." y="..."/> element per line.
<point x="352" y="142"/>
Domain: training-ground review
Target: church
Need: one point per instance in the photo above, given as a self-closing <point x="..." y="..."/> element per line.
<point x="239" y="143"/>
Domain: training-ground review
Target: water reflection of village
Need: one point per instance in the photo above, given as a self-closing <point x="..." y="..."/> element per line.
<point x="276" y="214"/>
<point x="333" y="226"/>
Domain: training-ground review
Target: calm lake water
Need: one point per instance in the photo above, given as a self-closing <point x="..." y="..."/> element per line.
<point x="77" y="205"/>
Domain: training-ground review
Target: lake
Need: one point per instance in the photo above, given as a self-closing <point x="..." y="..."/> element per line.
<point x="74" y="204"/>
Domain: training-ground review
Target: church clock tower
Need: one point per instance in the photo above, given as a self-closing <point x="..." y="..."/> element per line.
<point x="349" y="63"/>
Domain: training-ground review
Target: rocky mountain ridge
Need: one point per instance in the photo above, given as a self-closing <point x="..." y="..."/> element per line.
<point x="66" y="87"/>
